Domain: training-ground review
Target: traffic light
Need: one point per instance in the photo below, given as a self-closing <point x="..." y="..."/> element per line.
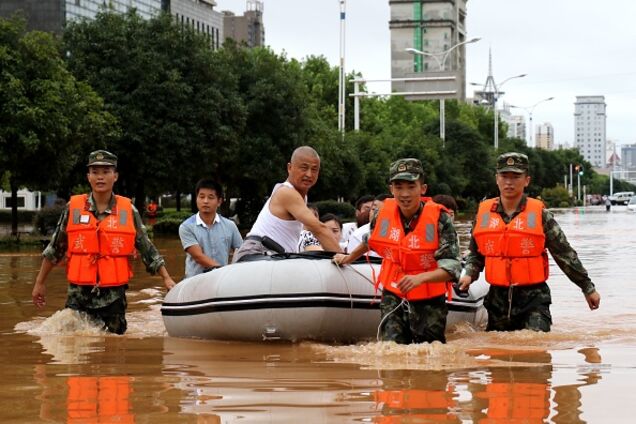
<point x="579" y="169"/>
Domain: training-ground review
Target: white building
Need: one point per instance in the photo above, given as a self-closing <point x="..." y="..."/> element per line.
<point x="590" y="129"/>
<point x="27" y="200"/>
<point x="544" y="137"/>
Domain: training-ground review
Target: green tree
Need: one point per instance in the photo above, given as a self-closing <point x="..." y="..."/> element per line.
<point x="173" y="96"/>
<point x="46" y="115"/>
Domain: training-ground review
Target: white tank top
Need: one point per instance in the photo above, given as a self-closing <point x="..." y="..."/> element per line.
<point x="284" y="232"/>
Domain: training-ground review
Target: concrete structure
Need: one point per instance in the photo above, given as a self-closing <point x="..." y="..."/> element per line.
<point x="432" y="26"/>
<point x="248" y="28"/>
<point x="544" y="137"/>
<point x="200" y="16"/>
<point x="590" y="129"/>
<point x="27" y="200"/>
<point x="53" y="15"/>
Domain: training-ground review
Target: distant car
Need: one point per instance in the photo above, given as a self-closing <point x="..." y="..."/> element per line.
<point x="621" y="198"/>
<point x="632" y="204"/>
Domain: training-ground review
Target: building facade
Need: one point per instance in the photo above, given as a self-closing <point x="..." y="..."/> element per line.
<point x="544" y="137"/>
<point x="628" y="157"/>
<point x="248" y="28"/>
<point x="516" y="123"/>
<point x="53" y="15"/>
<point x="433" y="27"/>
<point x="200" y="16"/>
<point x="590" y="129"/>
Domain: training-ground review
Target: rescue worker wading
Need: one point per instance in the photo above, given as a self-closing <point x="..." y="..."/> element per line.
<point x="98" y="234"/>
<point x="418" y="243"/>
<point x="510" y="236"/>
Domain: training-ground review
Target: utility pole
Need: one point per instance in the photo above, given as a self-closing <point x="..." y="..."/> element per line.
<point x="341" y="80"/>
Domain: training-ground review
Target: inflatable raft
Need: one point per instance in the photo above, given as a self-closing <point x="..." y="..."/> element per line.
<point x="293" y="298"/>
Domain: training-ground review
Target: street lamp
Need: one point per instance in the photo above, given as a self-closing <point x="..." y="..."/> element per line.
<point x="530" y="110"/>
<point x="442" y="67"/>
<point x="495" y="92"/>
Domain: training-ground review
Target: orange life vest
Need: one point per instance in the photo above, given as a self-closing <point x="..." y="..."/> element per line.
<point x="151" y="209"/>
<point x="407" y="254"/>
<point x="438" y="405"/>
<point x="99" y="252"/>
<point x="516" y="402"/>
<point x="515" y="252"/>
<point x="99" y="399"/>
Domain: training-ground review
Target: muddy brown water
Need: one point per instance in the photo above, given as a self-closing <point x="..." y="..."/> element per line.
<point x="58" y="368"/>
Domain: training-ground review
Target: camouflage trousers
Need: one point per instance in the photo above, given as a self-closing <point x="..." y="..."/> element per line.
<point x="415" y="321"/>
<point x="519" y="308"/>
<point x="107" y="305"/>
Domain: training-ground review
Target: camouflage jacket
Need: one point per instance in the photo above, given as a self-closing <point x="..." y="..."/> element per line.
<point x="56" y="249"/>
<point x="447" y="254"/>
<point x="555" y="241"/>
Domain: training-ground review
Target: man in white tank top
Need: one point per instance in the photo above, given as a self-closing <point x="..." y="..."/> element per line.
<point x="285" y="212"/>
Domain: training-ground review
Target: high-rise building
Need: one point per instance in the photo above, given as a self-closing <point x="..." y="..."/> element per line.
<point x="247" y="28"/>
<point x="544" y="138"/>
<point x="53" y="15"/>
<point x="434" y="27"/>
<point x="628" y="156"/>
<point x="516" y="123"/>
<point x="200" y="16"/>
<point x="590" y="128"/>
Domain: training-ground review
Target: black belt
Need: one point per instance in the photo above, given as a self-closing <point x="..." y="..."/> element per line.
<point x="267" y="243"/>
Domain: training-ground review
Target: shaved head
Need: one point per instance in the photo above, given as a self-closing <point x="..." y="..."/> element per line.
<point x="304" y="151"/>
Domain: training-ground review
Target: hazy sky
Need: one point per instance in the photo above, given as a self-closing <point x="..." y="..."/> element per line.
<point x="566" y="47"/>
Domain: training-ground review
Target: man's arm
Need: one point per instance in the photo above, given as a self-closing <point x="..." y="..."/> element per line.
<point x="193" y="248"/>
<point x="294" y="204"/>
<point x="475" y="263"/>
<point x="446" y="255"/>
<point x="155" y="264"/>
<point x="38" y="294"/>
<point x="567" y="259"/>
<point x="54" y="253"/>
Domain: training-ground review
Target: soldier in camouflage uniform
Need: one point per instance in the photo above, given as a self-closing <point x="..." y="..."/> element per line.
<point x="522" y="305"/>
<point x="106" y="304"/>
<point x="408" y="317"/>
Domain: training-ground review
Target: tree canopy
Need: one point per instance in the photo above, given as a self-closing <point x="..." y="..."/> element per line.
<point x="174" y="110"/>
<point x="47" y="116"/>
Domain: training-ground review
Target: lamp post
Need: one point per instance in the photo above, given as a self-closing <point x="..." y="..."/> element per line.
<point x="442" y="67"/>
<point x="495" y="92"/>
<point x="341" y="77"/>
<point x="530" y="110"/>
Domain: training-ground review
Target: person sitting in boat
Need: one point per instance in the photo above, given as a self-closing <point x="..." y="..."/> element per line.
<point x="362" y="233"/>
<point x="418" y="243"/>
<point x="282" y="218"/>
<point x="363" y="210"/>
<point x="207" y="237"/>
<point x="310" y="243"/>
<point x="306" y="237"/>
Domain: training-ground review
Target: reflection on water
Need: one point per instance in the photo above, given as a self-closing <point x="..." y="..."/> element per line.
<point x="63" y="368"/>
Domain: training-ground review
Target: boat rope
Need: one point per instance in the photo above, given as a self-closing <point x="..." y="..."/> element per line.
<point x="375" y="294"/>
<point x="403" y="302"/>
<point x="347" y="285"/>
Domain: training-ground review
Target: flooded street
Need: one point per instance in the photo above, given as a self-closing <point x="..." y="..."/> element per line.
<point x="59" y="368"/>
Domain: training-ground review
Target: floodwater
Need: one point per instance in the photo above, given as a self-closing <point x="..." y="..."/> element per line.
<point x="59" y="368"/>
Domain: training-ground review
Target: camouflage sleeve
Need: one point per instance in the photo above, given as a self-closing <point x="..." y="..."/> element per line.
<point x="447" y="254"/>
<point x="148" y="252"/>
<point x="564" y="255"/>
<point x="365" y="237"/>
<point x="475" y="261"/>
<point x="55" y="251"/>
